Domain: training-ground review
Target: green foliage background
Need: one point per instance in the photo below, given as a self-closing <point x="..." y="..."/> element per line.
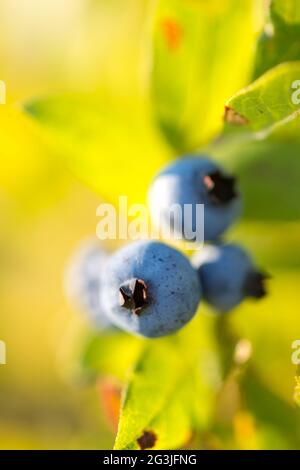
<point x="112" y="93"/>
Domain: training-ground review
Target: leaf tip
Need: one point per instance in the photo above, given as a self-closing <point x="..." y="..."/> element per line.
<point x="233" y="117"/>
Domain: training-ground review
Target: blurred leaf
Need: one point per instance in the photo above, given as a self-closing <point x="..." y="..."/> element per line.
<point x="170" y="393"/>
<point x="247" y="405"/>
<point x="297" y="387"/>
<point x="255" y="417"/>
<point x="267" y="102"/>
<point x="30" y="175"/>
<point x="278" y="316"/>
<point x="110" y="394"/>
<point x="287" y="10"/>
<point x="201" y="55"/>
<point x="108" y="143"/>
<point x="277" y="252"/>
<point x="280" y="41"/>
<point x="269" y="176"/>
<point x="107" y="354"/>
<point x="270" y="411"/>
<point x="268" y="173"/>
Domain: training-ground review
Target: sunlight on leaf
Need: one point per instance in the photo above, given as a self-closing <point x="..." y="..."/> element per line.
<point x="174" y="377"/>
<point x="30" y="175"/>
<point x="201" y="54"/>
<point x="108" y="143"/>
<point x="111" y="353"/>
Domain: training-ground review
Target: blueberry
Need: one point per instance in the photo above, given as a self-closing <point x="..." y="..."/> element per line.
<point x="228" y="276"/>
<point x="150" y="289"/>
<point x="83" y="281"/>
<point x="195" y="180"/>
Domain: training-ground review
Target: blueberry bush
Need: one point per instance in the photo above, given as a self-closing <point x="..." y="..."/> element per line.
<point x="220" y="79"/>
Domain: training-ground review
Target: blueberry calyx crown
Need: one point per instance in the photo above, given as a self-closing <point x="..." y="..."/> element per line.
<point x="220" y="188"/>
<point x="134" y="296"/>
<point x="254" y="285"/>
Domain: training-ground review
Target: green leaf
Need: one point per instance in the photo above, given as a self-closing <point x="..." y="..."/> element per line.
<point x="108" y="143"/>
<point x="287" y="10"/>
<point x="279" y="253"/>
<point x="297" y="390"/>
<point x="258" y="416"/>
<point x="269" y="174"/>
<point x="98" y="354"/>
<point x="271" y="412"/>
<point x="266" y="103"/>
<point x="280" y="41"/>
<point x="171" y="391"/>
<point x="253" y="417"/>
<point x="31" y="176"/>
<point x="171" y="435"/>
<point x="272" y="352"/>
<point x="201" y="54"/>
<point x="155" y="379"/>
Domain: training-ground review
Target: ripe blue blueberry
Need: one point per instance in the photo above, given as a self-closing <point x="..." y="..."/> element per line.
<point x="228" y="276"/>
<point x="83" y="281"/>
<point x="150" y="289"/>
<point x="195" y="180"/>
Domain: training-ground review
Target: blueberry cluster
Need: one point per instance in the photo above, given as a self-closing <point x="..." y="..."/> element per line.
<point x="149" y="288"/>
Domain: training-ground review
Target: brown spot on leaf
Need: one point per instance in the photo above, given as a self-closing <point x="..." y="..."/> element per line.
<point x="172" y="32"/>
<point x="147" y="440"/>
<point x="232" y="117"/>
